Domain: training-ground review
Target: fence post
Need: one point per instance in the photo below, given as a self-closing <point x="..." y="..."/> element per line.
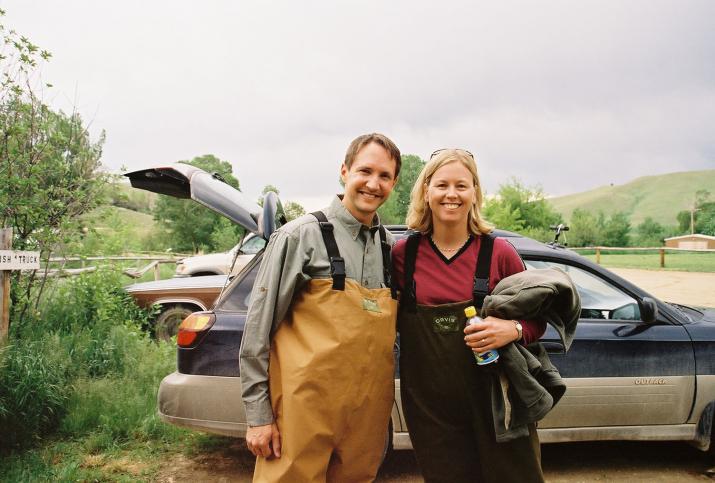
<point x="157" y="271"/>
<point x="662" y="258"/>
<point x="598" y="255"/>
<point x="5" y="244"/>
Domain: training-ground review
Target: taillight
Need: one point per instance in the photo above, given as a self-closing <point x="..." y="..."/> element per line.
<point x="193" y="326"/>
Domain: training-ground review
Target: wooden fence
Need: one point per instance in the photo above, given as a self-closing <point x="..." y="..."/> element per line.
<point x="154" y="263"/>
<point x="661" y="251"/>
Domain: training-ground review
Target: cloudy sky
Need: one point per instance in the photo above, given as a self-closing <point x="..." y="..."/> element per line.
<point x="567" y="94"/>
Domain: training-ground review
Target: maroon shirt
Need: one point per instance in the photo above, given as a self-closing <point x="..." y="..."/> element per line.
<point x="440" y="280"/>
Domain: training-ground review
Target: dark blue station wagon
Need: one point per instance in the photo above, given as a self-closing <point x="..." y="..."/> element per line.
<point x="638" y="369"/>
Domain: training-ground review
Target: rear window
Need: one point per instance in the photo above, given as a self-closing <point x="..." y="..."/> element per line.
<point x="239" y="291"/>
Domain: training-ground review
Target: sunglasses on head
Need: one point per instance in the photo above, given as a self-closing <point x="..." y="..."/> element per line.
<point x="455" y="149"/>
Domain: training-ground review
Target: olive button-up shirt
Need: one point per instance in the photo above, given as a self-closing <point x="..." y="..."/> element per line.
<point x="296" y="254"/>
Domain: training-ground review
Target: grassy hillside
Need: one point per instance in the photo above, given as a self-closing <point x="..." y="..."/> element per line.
<point x="660" y="197"/>
<point x="122" y="194"/>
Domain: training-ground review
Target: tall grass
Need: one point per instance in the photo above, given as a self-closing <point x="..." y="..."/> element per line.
<point x="81" y="367"/>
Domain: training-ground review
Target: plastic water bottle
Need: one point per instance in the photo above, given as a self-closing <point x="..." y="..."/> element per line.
<point x="485" y="357"/>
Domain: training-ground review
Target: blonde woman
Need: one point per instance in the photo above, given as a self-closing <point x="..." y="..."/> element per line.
<point x="445" y="394"/>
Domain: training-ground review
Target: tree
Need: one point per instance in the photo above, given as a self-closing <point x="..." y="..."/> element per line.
<point x="701" y="215"/>
<point x="584" y="230"/>
<point x="650" y="233"/>
<point x="394" y="210"/>
<point x="189" y="226"/>
<point x="616" y="230"/>
<point x="293" y="210"/>
<point x="50" y="168"/>
<point x="522" y="209"/>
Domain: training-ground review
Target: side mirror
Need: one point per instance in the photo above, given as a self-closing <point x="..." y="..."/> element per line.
<point x="649" y="310"/>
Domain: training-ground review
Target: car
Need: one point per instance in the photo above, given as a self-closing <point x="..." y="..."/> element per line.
<point x="638" y="368"/>
<point x="176" y="299"/>
<point x="225" y="263"/>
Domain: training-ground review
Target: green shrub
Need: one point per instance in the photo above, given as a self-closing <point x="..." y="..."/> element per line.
<point x="85" y="339"/>
<point x="34" y="389"/>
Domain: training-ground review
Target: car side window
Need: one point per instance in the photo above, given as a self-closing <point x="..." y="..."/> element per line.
<point x="238" y="295"/>
<point x="253" y="246"/>
<point x="599" y="298"/>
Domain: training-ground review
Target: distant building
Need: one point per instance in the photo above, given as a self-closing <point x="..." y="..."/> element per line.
<point x="691" y="242"/>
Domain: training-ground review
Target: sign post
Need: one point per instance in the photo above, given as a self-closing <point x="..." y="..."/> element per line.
<point x="11" y="260"/>
<point x="5" y="244"/>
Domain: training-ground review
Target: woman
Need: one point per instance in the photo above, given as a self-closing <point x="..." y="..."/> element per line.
<point x="445" y="394"/>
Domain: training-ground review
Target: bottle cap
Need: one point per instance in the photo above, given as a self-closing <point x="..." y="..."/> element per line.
<point x="470" y="311"/>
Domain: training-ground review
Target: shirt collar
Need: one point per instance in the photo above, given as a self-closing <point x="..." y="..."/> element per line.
<point x="348" y="220"/>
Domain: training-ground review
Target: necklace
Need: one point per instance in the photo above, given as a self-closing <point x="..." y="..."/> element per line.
<point x="450" y="249"/>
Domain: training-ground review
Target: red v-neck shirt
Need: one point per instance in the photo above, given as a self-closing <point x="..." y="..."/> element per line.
<point x="439" y="280"/>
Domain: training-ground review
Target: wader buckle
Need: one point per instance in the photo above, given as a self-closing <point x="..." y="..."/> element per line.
<point x="481" y="285"/>
<point x="337" y="272"/>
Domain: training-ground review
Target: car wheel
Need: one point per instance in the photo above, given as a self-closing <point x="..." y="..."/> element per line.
<point x="167" y="323"/>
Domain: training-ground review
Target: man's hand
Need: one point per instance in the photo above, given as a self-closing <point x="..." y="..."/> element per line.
<point x="264" y="440"/>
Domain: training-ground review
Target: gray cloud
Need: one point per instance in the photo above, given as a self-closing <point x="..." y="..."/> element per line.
<point x="569" y="95"/>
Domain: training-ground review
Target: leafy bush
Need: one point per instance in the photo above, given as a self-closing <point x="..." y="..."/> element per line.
<point x="64" y="364"/>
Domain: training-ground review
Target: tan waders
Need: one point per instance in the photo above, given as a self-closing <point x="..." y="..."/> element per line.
<point x="331" y="378"/>
<point x="445" y="393"/>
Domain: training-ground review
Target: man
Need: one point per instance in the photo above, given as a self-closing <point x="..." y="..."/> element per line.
<point x="316" y="356"/>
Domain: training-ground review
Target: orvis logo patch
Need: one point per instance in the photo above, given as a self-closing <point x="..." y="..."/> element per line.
<point x="445" y="323"/>
<point x="371" y="305"/>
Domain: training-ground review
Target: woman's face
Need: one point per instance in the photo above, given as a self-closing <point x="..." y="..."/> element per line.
<point x="450" y="194"/>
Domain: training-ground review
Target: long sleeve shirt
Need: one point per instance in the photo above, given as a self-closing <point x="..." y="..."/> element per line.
<point x="294" y="255"/>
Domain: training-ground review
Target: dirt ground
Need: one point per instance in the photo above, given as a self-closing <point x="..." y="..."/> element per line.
<point x="565" y="462"/>
<point x="687" y="288"/>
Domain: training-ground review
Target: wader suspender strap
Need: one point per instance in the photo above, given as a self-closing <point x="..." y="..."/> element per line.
<point x="480" y="289"/>
<point x="337" y="263"/>
<point x="481" y="277"/>
<point x="386" y="261"/>
<point x="409" y="289"/>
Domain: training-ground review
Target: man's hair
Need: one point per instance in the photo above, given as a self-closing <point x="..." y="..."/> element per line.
<point x="379" y="139"/>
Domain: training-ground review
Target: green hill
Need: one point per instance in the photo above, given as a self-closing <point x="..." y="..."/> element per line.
<point x="107" y="219"/>
<point x="660" y="197"/>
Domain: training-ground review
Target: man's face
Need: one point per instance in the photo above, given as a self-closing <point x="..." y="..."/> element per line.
<point x="368" y="182"/>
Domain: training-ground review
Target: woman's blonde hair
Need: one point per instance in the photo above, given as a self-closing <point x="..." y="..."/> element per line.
<point x="419" y="215"/>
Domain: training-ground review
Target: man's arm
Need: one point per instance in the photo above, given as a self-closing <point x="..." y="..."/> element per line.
<point x="280" y="274"/>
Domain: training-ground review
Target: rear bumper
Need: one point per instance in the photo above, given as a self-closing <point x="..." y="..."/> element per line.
<point x="205" y="403"/>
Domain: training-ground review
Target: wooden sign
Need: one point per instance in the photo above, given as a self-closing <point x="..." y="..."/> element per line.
<point x="19" y="260"/>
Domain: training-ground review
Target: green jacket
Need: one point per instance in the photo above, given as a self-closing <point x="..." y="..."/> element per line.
<point x="527" y="386"/>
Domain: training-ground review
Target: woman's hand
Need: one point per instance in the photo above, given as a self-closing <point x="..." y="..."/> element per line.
<point x="490" y="333"/>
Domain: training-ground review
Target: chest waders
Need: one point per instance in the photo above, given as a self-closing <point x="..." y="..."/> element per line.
<point x="331" y="377"/>
<point x="445" y="394"/>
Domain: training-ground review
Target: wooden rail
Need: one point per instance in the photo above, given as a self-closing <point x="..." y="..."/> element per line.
<point x="155" y="262"/>
<point x="661" y="251"/>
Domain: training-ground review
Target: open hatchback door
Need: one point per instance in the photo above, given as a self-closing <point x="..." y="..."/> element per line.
<point x="185" y="181"/>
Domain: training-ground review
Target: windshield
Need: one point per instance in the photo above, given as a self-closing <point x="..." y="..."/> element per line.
<point x="690" y="312"/>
